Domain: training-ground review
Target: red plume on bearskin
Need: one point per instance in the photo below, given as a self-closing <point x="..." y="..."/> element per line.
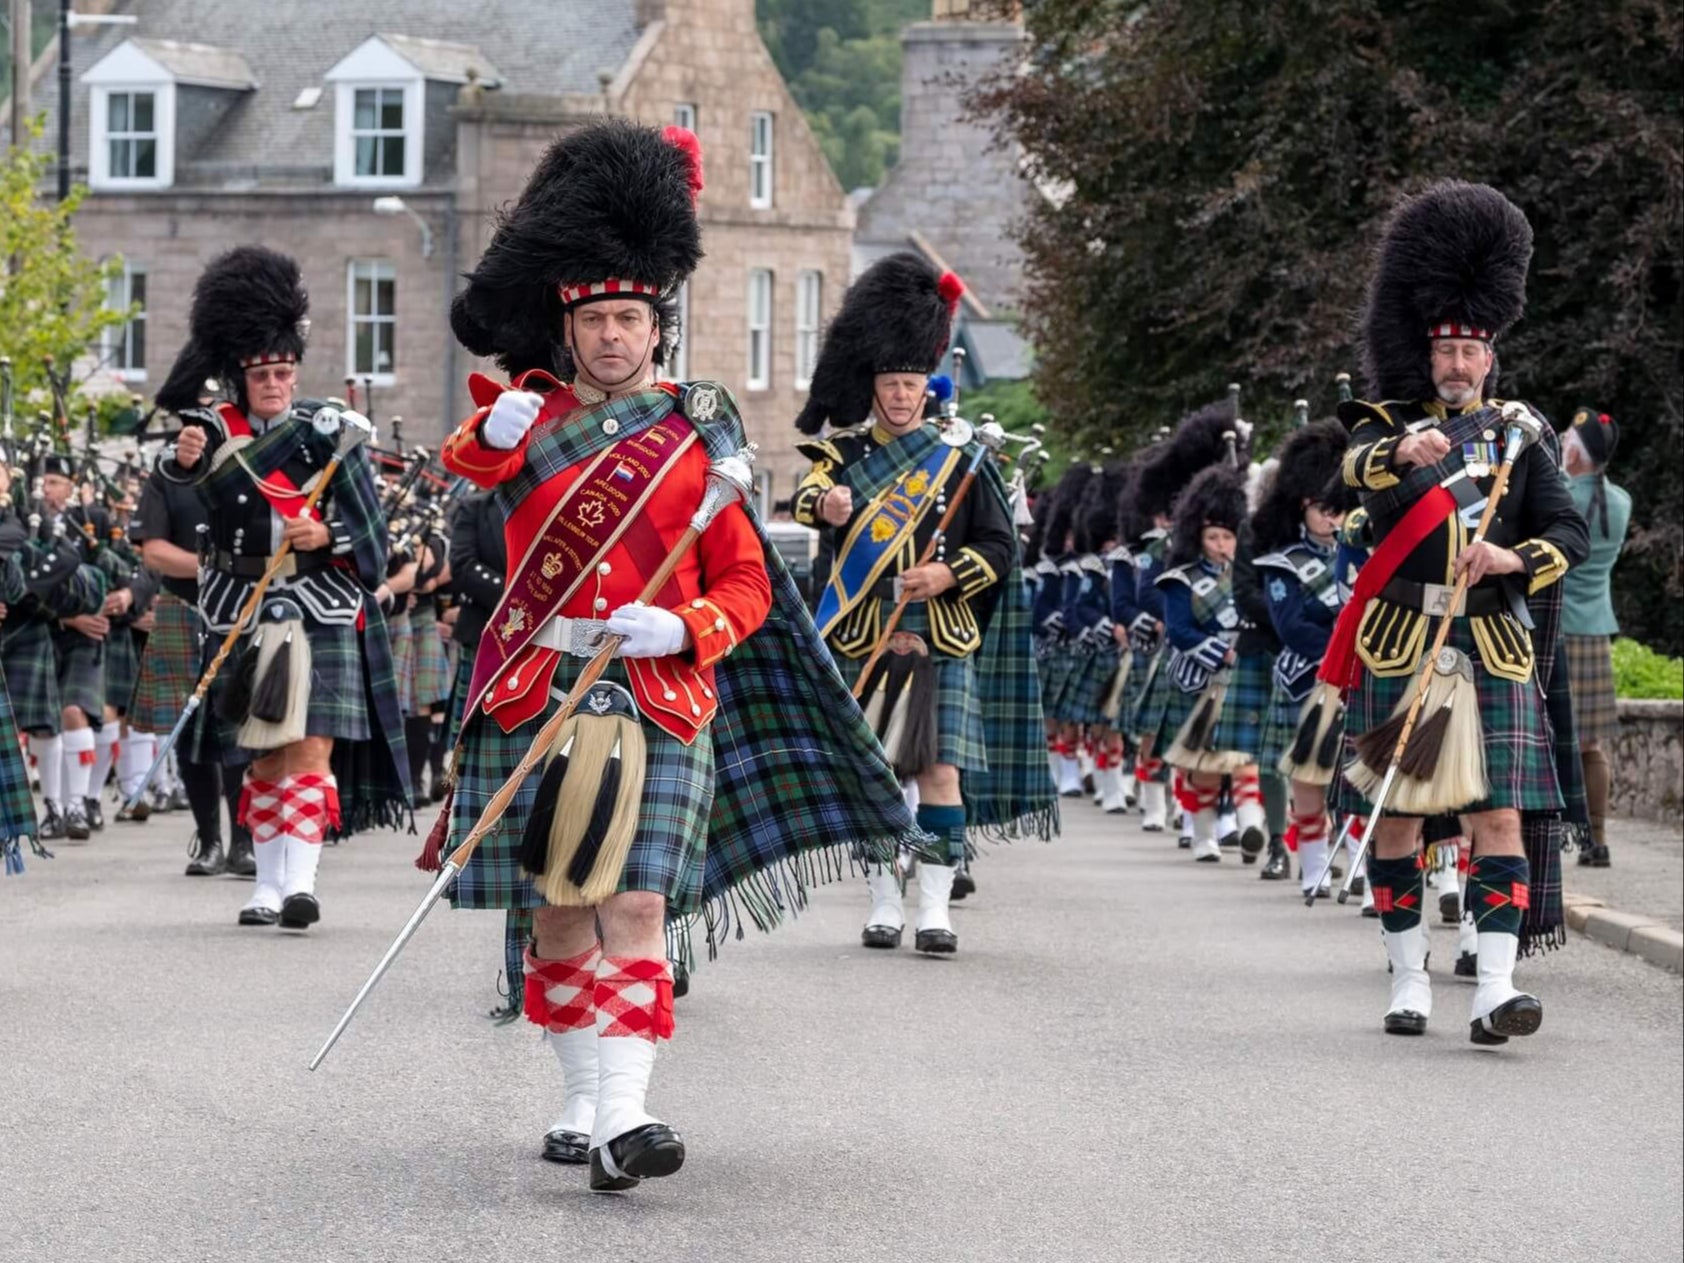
<point x="951" y="289"/>
<point x="684" y="140"/>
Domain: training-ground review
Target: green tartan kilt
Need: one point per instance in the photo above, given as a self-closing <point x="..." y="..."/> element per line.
<point x="1280" y="726"/>
<point x="1177" y="710"/>
<point x="81" y="673"/>
<point x="1245" y="706"/>
<point x="1133" y="688"/>
<point x="1147" y="718"/>
<point x="667" y="852"/>
<point x="338" y="706"/>
<point x="400" y="631"/>
<point x="26" y="653"/>
<point x="1590" y="674"/>
<point x="432" y="662"/>
<point x="122" y="666"/>
<point x="17" y="806"/>
<point x="1519" y="749"/>
<point x="1055" y="666"/>
<point x="169" y="666"/>
<point x="959" y="734"/>
<point x="1090" y="677"/>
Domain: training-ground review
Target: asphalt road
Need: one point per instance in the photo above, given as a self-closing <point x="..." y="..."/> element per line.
<point x="1132" y="1057"/>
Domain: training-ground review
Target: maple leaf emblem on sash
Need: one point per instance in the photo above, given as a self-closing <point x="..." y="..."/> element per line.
<point x="591" y="513"/>
<point x="514" y="623"/>
<point x="551" y="566"/>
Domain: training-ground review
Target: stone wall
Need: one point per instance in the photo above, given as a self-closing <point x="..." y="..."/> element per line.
<point x="1648" y="760"/>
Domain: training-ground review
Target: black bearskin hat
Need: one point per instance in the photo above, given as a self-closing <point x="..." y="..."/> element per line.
<point x="1096" y="515"/>
<point x="609" y="212"/>
<point x="1198" y="442"/>
<point x="1308" y="460"/>
<point x="249" y="306"/>
<point x="1216" y="497"/>
<point x="896" y="318"/>
<point x="1066" y="499"/>
<point x="1452" y="263"/>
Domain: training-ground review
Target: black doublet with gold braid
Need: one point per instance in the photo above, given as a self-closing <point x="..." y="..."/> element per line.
<point x="978" y="545"/>
<point x="1536" y="520"/>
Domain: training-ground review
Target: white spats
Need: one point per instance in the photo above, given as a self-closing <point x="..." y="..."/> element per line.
<point x="1154" y="807"/>
<point x="576" y="1052"/>
<point x="1069" y="776"/>
<point x="885" y="901"/>
<point x="48" y="753"/>
<point x="105" y="750"/>
<point x="134" y="759"/>
<point x="1412" y="991"/>
<point x="1205" y="847"/>
<point x="935" y="888"/>
<point x="624" y="1066"/>
<point x="78" y="763"/>
<point x="1113" y="791"/>
<point x="1496" y="988"/>
<point x="299" y="860"/>
<point x="1312" y="860"/>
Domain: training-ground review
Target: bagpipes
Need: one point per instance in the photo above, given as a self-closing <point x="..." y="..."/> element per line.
<point x="1438" y="767"/>
<point x="589" y="827"/>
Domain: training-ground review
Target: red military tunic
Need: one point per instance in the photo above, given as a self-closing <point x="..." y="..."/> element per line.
<point x="725" y="592"/>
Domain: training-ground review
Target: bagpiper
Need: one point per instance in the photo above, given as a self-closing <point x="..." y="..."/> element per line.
<point x="924" y="609"/>
<point x="307" y="699"/>
<point x="17" y="804"/>
<point x="718" y="746"/>
<point x="1427" y="454"/>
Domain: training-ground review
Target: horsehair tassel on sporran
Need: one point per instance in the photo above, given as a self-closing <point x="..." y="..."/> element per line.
<point x="1454" y="736"/>
<point x="1192" y="750"/>
<point x="1112" y="709"/>
<point x="1313" y="757"/>
<point x="280" y="702"/>
<point x="585" y="814"/>
<point x="233" y="700"/>
<point x="729" y="480"/>
<point x="900" y="704"/>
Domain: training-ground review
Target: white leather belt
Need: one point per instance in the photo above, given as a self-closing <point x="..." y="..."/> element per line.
<point x="580" y="637"/>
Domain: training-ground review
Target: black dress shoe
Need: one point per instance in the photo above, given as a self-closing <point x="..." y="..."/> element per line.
<point x="76" y="822"/>
<point x="680" y="988"/>
<point x="1357" y="886"/>
<point x="52" y="824"/>
<point x="1184" y="842"/>
<point x="880" y="936"/>
<point x="936" y="942"/>
<point x="205" y="859"/>
<point x="1279" y="867"/>
<point x="300" y="911"/>
<point x="1599" y="856"/>
<point x="1522" y="1015"/>
<point x="646" y="1153"/>
<point x="569" y="1148"/>
<point x="241" y="862"/>
<point x="963" y="884"/>
<point x="259" y="916"/>
<point x="1467" y="965"/>
<point x="1406" y="1022"/>
<point x="1450" y="908"/>
<point x="95" y="814"/>
<point x="1371" y="911"/>
<point x="1585" y="855"/>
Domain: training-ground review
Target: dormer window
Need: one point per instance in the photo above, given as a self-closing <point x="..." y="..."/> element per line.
<point x="131" y="135"/>
<point x="377" y="133"/>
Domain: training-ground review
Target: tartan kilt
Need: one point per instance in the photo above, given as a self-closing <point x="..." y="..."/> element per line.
<point x="459" y="695"/>
<point x="1084" y="690"/>
<point x="1147" y="719"/>
<point x="1590" y="673"/>
<point x="26" y="653"/>
<point x="667" y="852"/>
<point x="1245" y="706"/>
<point x="17" y="805"/>
<point x="1134" y="687"/>
<point x="1518" y="740"/>
<point x="338" y="705"/>
<point x="169" y="666"/>
<point x="81" y="673"/>
<point x="959" y="736"/>
<point x="400" y="630"/>
<point x="432" y="664"/>
<point x="1177" y="709"/>
<point x="1280" y="727"/>
<point x="122" y="666"/>
<point x="1054" y="666"/>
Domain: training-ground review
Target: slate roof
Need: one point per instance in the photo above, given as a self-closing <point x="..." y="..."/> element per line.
<point x="545" y="47"/>
<point x="201" y="64"/>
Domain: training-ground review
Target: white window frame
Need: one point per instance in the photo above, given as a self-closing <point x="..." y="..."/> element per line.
<point x="809" y="315"/>
<point x="677" y="368"/>
<point x="115" y="338"/>
<point x="684" y="115"/>
<point x="762" y="181"/>
<point x="100" y="176"/>
<point x="375" y="271"/>
<point x="374" y="64"/>
<point x="759" y="329"/>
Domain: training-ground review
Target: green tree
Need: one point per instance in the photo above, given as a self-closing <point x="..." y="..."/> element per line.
<point x="52" y="297"/>
<point x="1222" y="169"/>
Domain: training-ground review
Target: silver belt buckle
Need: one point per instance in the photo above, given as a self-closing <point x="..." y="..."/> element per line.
<point x="584" y="636"/>
<point x="1435" y="600"/>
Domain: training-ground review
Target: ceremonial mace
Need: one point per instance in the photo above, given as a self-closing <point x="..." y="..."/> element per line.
<point x="353" y="431"/>
<point x="729" y="480"/>
<point x="1522" y="430"/>
<point x="989" y="438"/>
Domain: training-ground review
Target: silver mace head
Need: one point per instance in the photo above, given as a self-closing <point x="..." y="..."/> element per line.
<point x="1517" y="416"/>
<point x="729" y="479"/>
<point x="352" y="427"/>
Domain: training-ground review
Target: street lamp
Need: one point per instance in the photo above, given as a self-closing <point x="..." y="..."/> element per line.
<point x="67" y="19"/>
<point x="392" y="205"/>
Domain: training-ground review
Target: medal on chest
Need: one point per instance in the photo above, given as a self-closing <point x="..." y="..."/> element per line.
<point x="1480" y="456"/>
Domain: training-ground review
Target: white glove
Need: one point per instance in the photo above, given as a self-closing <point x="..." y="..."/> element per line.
<point x="649" y="631"/>
<point x="510" y="418"/>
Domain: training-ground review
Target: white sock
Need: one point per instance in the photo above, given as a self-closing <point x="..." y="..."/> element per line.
<point x="49" y="762"/>
<point x="78" y="763"/>
<point x="134" y="758"/>
<point x="105" y="747"/>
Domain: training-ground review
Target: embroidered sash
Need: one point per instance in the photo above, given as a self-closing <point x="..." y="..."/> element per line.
<point x="591" y="517"/>
<point x="877" y="538"/>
